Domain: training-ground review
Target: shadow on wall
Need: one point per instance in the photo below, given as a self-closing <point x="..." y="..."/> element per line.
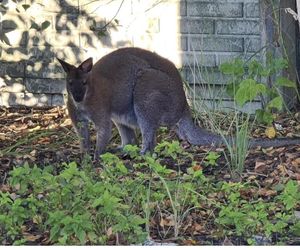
<point x="33" y="33"/>
<point x="196" y="35"/>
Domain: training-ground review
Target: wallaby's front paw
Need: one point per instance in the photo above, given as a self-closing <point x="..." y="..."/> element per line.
<point x="145" y="151"/>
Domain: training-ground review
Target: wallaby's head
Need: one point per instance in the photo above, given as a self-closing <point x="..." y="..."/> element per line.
<point x="77" y="78"/>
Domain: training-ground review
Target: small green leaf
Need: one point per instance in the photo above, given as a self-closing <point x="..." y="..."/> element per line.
<point x="255" y="68"/>
<point x="264" y="116"/>
<point x="92" y="236"/>
<point x="280" y="64"/>
<point x="231" y="89"/>
<point x="265" y="72"/>
<point x="101" y="33"/>
<point x="235" y="67"/>
<point x="282" y="81"/>
<point x="120" y="166"/>
<point x="25" y="6"/>
<point x="45" y="25"/>
<point x="4" y="39"/>
<point x="97" y="202"/>
<point x="54" y="232"/>
<point x="279" y="187"/>
<point x="81" y="236"/>
<point x="227" y="68"/>
<point x="35" y="26"/>
<point x="248" y="90"/>
<point x="276" y="103"/>
<point x="296" y="229"/>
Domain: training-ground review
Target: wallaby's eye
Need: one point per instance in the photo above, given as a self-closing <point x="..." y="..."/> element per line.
<point x="84" y="82"/>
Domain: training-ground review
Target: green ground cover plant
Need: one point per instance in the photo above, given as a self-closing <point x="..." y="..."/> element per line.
<point x="79" y="204"/>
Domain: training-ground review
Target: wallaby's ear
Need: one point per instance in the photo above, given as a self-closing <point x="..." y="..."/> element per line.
<point x="87" y="65"/>
<point x="67" y="67"/>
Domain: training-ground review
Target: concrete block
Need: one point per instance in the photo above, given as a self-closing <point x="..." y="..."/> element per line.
<point x="207" y="75"/>
<point x="45" y="86"/>
<point x="12" y="20"/>
<point x="252" y="10"/>
<point x="108" y="9"/>
<point x="92" y="23"/>
<point x="238" y="27"/>
<point x="15" y="37"/>
<point x="10" y="84"/>
<point x="252" y="44"/>
<point x="182" y="8"/>
<point x="213" y="43"/>
<point x="199" y="59"/>
<point x="207" y="92"/>
<point x="224" y="105"/>
<point x="153" y="25"/>
<point x="196" y="26"/>
<point x="225" y="57"/>
<point x="214" y="9"/>
<point x="12" y="70"/>
<point x="183" y="43"/>
<point x="66" y="22"/>
<point x="40" y="69"/>
<point x="57" y="100"/>
<point x="24" y="99"/>
<point x="54" y="38"/>
<point x="37" y="100"/>
<point x="47" y="54"/>
<point x="56" y="6"/>
<point x="13" y="53"/>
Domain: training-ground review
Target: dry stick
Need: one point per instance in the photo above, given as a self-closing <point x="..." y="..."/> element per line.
<point x="104" y="27"/>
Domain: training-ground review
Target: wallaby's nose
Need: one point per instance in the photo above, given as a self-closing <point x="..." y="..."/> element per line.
<point x="78" y="97"/>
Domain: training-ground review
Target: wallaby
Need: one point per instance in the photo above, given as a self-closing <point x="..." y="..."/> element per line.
<point x="134" y="88"/>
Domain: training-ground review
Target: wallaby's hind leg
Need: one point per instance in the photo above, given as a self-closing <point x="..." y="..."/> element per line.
<point x="148" y="136"/>
<point x="148" y="126"/>
<point x="157" y="102"/>
<point x="127" y="134"/>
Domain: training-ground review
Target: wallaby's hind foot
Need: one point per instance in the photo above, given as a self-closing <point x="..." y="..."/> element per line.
<point x="148" y="137"/>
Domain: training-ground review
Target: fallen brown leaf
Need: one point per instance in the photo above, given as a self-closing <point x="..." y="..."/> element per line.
<point x="31" y="237"/>
<point x="282" y="169"/>
<point x="296" y="162"/>
<point x="260" y="167"/>
<point x="197" y="168"/>
<point x="168" y="221"/>
<point x="266" y="192"/>
<point x="109" y="232"/>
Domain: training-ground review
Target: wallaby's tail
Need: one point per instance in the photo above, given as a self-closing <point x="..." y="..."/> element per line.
<point x="187" y="130"/>
<point x="279" y="142"/>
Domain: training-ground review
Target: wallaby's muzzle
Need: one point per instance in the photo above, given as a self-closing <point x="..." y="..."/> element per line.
<point x="77" y="89"/>
<point x="78" y="97"/>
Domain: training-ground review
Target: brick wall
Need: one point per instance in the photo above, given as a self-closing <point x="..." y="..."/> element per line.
<point x="218" y="31"/>
<point x="196" y="35"/>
